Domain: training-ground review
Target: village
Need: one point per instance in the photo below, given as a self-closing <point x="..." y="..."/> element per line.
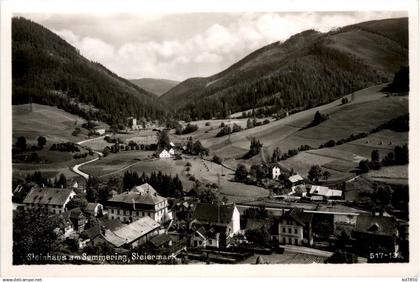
<point x="300" y="220"/>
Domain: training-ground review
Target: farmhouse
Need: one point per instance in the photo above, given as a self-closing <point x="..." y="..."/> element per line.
<point x="53" y="200"/>
<point x="375" y="233"/>
<point x="220" y="223"/>
<point x="295" y="228"/>
<point x="324" y="192"/>
<point x="140" y="201"/>
<point x="164" y="154"/>
<point x="94" y="209"/>
<point x="296" y="181"/>
<point x="133" y="234"/>
<point x="275" y="172"/>
<point x="99" y="130"/>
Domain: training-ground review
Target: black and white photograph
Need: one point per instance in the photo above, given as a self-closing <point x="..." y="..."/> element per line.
<point x="210" y="138"/>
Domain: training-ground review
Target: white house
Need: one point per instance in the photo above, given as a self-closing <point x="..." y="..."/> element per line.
<point x="325" y="192"/>
<point x="276" y="172"/>
<point x="171" y="151"/>
<point x="140" y="201"/>
<point x="54" y="200"/>
<point x="99" y="130"/>
<point x="164" y="154"/>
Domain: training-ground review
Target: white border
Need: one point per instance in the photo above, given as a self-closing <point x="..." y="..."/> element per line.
<point x="8" y="7"/>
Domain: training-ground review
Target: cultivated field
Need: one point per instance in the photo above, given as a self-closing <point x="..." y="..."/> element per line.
<point x="369" y="109"/>
<point x="55" y="124"/>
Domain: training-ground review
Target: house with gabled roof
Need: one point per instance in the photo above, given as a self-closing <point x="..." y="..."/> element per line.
<point x="53" y="200"/>
<point x="134" y="234"/>
<point x="223" y="220"/>
<point x="139" y="202"/>
<point x="295" y="228"/>
<point x="376" y="233"/>
<point x="164" y="154"/>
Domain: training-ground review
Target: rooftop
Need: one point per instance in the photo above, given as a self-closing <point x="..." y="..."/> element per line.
<point x="48" y="196"/>
<point x="379" y="225"/>
<point x="295" y="178"/>
<point x="211" y="213"/>
<point x="131" y="232"/>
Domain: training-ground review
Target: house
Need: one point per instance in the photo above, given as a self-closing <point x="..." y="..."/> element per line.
<point x="134" y="234"/>
<point x="171" y="151"/>
<point x="54" y="200"/>
<point x="64" y="226"/>
<point x="94" y="209"/>
<point x="223" y="220"/>
<point x="376" y="233"/>
<point x="164" y="154"/>
<point x="184" y="208"/>
<point x="296" y="181"/>
<point x="132" y="123"/>
<point x="275" y="172"/>
<point x="94" y="235"/>
<point x="324" y="192"/>
<point x="203" y="238"/>
<point x="140" y="201"/>
<point x="295" y="228"/>
<point x="99" y="130"/>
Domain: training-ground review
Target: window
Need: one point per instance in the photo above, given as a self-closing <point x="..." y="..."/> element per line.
<point x="284" y="229"/>
<point x="290" y="230"/>
<point x="296" y="231"/>
<point x="290" y="240"/>
<point x="296" y="241"/>
<point x="284" y="240"/>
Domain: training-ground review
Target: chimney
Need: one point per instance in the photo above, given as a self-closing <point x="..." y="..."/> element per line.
<point x="134" y="204"/>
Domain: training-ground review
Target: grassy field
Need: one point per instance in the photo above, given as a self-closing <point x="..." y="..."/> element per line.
<point x="55" y="124"/>
<point x="390" y="174"/>
<point x="369" y="109"/>
<point x="113" y="163"/>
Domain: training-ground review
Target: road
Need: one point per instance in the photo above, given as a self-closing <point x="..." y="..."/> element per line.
<point x="77" y="167"/>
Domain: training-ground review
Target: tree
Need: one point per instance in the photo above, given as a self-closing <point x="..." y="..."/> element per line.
<point x="326" y="175"/>
<point x="375" y="156"/>
<point x="276" y="156"/>
<point x="254" y="147"/>
<point x="61" y="182"/>
<point x="33" y="233"/>
<point x="241" y="173"/>
<point x="21" y="143"/>
<point x="106" y="151"/>
<point x="314" y="173"/>
<point x="77" y="201"/>
<point x="383" y="195"/>
<point x="208" y="197"/>
<point x="341" y="256"/>
<point x="364" y="166"/>
<point x="249" y="123"/>
<point x="41" y="141"/>
<point x="164" y="141"/>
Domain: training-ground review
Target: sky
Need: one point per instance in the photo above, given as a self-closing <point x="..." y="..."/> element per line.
<point x="180" y="46"/>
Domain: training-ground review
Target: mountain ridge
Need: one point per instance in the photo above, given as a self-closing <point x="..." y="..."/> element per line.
<point x="361" y="54"/>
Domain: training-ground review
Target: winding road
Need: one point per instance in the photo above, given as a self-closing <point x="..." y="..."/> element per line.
<point x="77" y="167"/>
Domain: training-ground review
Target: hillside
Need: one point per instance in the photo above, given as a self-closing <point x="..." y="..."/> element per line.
<point x="155" y="86"/>
<point x="48" y="70"/>
<point x="307" y="70"/>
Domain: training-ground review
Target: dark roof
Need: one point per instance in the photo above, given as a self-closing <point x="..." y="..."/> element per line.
<point x="257" y="223"/>
<point x="160" y="240"/>
<point x="93" y="232"/>
<point x="299" y="216"/>
<point x="47" y="196"/>
<point x="373" y="224"/>
<point x="211" y="213"/>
